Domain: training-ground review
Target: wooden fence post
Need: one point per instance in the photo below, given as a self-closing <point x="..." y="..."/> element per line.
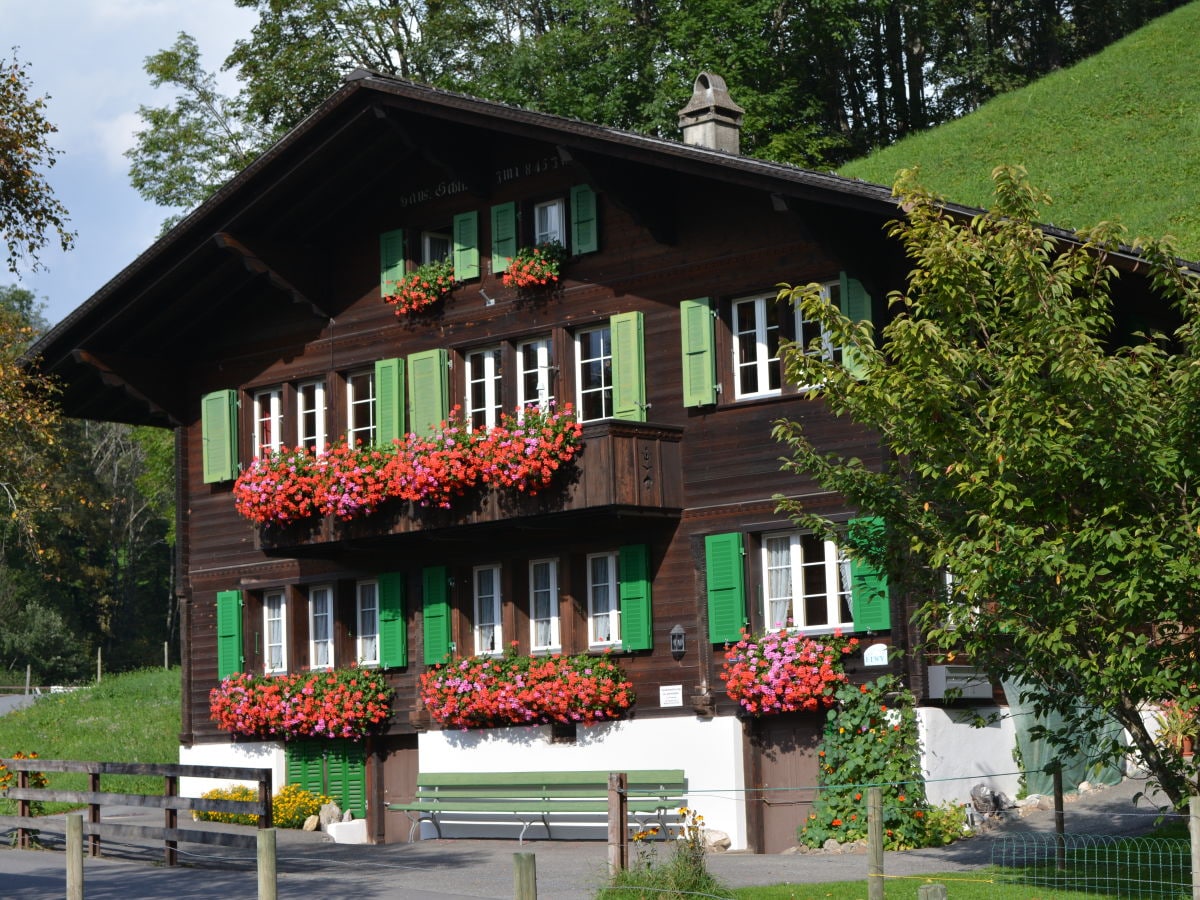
<point x="267" y="881"/>
<point x="24" y="838"/>
<point x="618" y="819"/>
<point x="94" y="815"/>
<point x="874" y="843"/>
<point x="1060" y="823"/>
<point x="524" y="876"/>
<point x="1194" y="833"/>
<point x="74" y="856"/>
<point x="170" y="819"/>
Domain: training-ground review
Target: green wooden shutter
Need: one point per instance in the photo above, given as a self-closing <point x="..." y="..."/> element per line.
<point x="697" y="329"/>
<point x="435" y="609"/>
<point x="585" y="236"/>
<point x="393" y="631"/>
<point x="428" y="391"/>
<point x="391" y="260"/>
<point x="346" y="776"/>
<point x="870" y="602"/>
<point x="466" y="245"/>
<point x="389" y="401"/>
<point x="504" y="236"/>
<point x="637" y="626"/>
<point x="337" y="769"/>
<point x="218" y="430"/>
<point x="305" y="765"/>
<point x="856" y="304"/>
<point x="229" y="633"/>
<point x="628" y="367"/>
<point x="726" y="586"/>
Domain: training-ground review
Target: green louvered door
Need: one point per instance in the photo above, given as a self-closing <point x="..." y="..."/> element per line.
<point x="697" y="332"/>
<point x="218" y="429"/>
<point x="628" y="367"/>
<point x="391" y="261"/>
<point x="870" y="601"/>
<point x="435" y="615"/>
<point x="585" y="236"/>
<point x="726" y="584"/>
<point x="428" y="390"/>
<point x="856" y="304"/>
<point x="389" y="401"/>
<point x="229" y="633"/>
<point x="637" y="624"/>
<point x="337" y="769"/>
<point x="466" y="245"/>
<point x="393" y="629"/>
<point x="504" y="236"/>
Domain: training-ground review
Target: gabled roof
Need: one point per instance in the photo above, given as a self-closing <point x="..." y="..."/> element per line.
<point x="112" y="351"/>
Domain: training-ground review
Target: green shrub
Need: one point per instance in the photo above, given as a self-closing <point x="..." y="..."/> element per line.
<point x="683" y="874"/>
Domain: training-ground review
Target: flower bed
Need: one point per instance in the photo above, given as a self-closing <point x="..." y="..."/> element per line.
<point x="422" y="288"/>
<point x="784" y="671"/>
<point x="524" y="451"/>
<point x="490" y="691"/>
<point x="341" y="703"/>
<point x="535" y="267"/>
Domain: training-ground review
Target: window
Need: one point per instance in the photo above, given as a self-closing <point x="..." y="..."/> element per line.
<point x="360" y="408"/>
<point x="310" y="410"/>
<point x="603" y="608"/>
<point x="268" y="421"/>
<point x="484" y="371"/>
<point x="367" y="639"/>
<point x="543" y="604"/>
<point x="275" y="629"/>
<point x="320" y="627"/>
<point x="806" y="582"/>
<point x="535" y="371"/>
<point x="758" y="324"/>
<point x="488" y="634"/>
<point x="435" y="246"/>
<point x="593" y="356"/>
<point x="548" y="222"/>
<point x="756" y="346"/>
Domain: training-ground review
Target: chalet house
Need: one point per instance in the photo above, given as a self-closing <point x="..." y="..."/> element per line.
<point x="259" y="322"/>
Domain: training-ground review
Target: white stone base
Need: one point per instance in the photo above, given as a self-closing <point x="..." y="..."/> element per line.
<point x="957" y="756"/>
<point x="264" y="755"/>
<point x="354" y="832"/>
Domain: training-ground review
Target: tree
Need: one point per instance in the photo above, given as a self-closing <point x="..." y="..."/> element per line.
<point x="189" y="149"/>
<point x="1041" y="453"/>
<point x="29" y="211"/>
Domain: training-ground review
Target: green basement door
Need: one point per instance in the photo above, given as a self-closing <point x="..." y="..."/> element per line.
<point x="337" y="769"/>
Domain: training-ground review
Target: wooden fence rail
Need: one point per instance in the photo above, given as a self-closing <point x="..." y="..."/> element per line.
<point x="169" y="801"/>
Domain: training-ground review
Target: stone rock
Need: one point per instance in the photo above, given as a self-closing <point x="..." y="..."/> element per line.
<point x="1084" y="787"/>
<point x="831" y="846"/>
<point x="352" y="832"/>
<point x="330" y="812"/>
<point x="716" y="841"/>
<point x="1045" y="803"/>
<point x="312" y="823"/>
<point x="348" y="816"/>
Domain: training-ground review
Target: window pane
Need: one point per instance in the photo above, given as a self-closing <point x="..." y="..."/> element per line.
<point x="368" y="622"/>
<point x="779" y="581"/>
<point x="360" y="406"/>
<point x="816" y="597"/>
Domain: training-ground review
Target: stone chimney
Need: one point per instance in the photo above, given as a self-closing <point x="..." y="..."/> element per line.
<point x="711" y="119"/>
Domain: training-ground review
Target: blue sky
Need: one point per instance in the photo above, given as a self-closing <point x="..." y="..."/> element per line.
<point x="88" y="55"/>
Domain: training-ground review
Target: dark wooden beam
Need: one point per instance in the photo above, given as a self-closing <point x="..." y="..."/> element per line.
<point x="146" y="381"/>
<point x="648" y="195"/>
<point x="256" y="264"/>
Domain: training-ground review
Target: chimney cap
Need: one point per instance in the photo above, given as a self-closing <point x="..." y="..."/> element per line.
<point x="710" y="95"/>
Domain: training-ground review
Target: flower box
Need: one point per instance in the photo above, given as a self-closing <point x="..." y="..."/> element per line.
<point x="422" y="288"/>
<point x="785" y="671"/>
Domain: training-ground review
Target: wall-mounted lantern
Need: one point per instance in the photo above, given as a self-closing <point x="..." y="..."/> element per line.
<point x="678" y="642"/>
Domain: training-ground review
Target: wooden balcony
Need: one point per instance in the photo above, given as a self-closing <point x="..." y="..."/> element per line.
<point x="626" y="467"/>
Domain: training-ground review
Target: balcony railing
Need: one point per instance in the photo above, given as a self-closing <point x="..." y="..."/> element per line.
<point x="627" y="466"/>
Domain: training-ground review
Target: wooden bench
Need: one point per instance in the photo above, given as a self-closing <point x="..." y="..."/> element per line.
<point x="534" y="797"/>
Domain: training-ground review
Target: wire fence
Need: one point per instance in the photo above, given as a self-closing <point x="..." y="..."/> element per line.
<point x="1095" y="864"/>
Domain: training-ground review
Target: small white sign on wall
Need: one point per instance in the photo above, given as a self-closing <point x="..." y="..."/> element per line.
<point x="670" y="695"/>
<point x="876" y="655"/>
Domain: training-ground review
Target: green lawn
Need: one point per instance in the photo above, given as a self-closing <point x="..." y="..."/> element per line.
<point x="126" y="718"/>
<point x="1112" y="138"/>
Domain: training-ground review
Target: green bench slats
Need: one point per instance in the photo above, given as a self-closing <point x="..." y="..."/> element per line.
<point x="533" y="797"/>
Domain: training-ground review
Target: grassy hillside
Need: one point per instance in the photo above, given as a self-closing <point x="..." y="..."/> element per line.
<point x="126" y="718"/>
<point x="1116" y="137"/>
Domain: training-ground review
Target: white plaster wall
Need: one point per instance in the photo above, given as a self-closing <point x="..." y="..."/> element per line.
<point x="242" y="755"/>
<point x="708" y="750"/>
<point x="956" y="756"/>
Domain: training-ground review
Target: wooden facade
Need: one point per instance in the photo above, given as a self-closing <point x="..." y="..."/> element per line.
<point x="274" y="283"/>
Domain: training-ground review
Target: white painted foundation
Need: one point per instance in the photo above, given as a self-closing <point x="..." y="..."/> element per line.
<point x="708" y="750"/>
<point x="265" y="755"/>
<point x="957" y="756"/>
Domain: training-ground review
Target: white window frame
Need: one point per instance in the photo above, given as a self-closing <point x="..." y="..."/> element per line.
<point x="806" y="331"/>
<point x="539" y="370"/>
<point x="320" y="627"/>
<point x="604" y="625"/>
<point x="786" y="597"/>
<point x="313" y="438"/>
<point x="605" y="389"/>
<point x="546" y="625"/>
<point x="268" y="421"/>
<point x="483" y="370"/>
<point x="550" y="222"/>
<point x="758" y="359"/>
<point x="366" y="617"/>
<point x="488" y="629"/>
<point x="275" y="631"/>
<point x="360" y="403"/>
<point x="428" y="250"/>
